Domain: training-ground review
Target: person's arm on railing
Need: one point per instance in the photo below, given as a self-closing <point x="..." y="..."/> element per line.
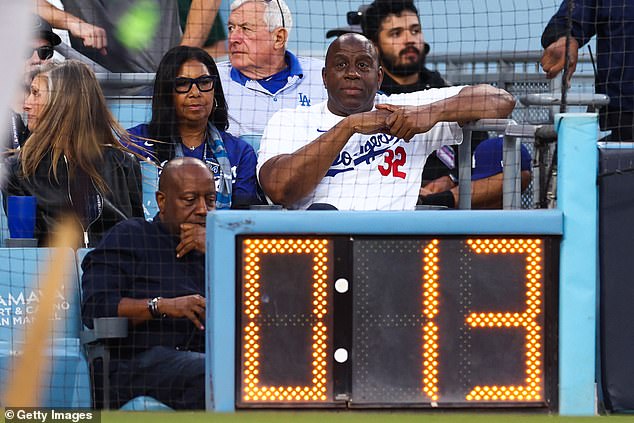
<point x="471" y="103"/>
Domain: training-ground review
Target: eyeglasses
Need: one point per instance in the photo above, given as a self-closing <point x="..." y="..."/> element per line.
<point x="44" y="52"/>
<point x="204" y="83"/>
<point x="281" y="13"/>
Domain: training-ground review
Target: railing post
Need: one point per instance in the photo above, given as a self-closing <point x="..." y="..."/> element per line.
<point x="511" y="187"/>
<point x="577" y="199"/>
<point x="220" y="318"/>
<point x="464" y="170"/>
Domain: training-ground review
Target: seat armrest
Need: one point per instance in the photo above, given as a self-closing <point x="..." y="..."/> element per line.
<point x="105" y="328"/>
<point x="95" y="345"/>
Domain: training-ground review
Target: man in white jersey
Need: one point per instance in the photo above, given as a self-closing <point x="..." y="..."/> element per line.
<point x="346" y="153"/>
<point x="262" y="76"/>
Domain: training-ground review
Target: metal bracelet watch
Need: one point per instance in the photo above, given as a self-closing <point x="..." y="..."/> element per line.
<point x="152" y="306"/>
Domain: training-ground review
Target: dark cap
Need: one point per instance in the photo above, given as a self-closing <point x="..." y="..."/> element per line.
<point x="44" y="30"/>
<point x="335" y="32"/>
<point x="354" y="23"/>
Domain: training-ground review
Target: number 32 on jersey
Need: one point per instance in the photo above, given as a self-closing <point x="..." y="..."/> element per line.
<point x="393" y="160"/>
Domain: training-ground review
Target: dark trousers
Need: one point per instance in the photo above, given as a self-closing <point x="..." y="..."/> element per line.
<point x="176" y="378"/>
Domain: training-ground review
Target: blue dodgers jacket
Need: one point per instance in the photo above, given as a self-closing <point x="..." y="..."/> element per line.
<point x="241" y="156"/>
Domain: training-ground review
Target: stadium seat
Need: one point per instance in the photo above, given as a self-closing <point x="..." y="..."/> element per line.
<point x="253" y="140"/>
<point x="4" y="224"/>
<point x="67" y="382"/>
<point x="145" y="404"/>
<point x="131" y="111"/>
<point x="94" y="343"/>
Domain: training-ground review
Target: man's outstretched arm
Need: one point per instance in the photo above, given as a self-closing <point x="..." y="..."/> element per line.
<point x="471" y="103"/>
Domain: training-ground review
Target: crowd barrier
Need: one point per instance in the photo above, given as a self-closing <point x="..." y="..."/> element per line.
<point x="616" y="240"/>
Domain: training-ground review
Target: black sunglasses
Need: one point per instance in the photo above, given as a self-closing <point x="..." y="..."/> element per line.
<point x="281" y="13"/>
<point x="44" y="52"/>
<point x="205" y="83"/>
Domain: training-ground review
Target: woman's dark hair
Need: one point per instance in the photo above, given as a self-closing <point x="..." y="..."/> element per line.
<point x="164" y="123"/>
<point x="379" y="9"/>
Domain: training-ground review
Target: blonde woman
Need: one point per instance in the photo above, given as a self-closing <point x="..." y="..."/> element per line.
<point x="73" y="159"/>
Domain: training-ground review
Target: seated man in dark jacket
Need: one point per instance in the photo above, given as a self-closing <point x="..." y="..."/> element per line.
<point x="153" y="273"/>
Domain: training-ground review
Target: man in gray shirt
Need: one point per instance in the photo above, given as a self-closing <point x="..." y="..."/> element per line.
<point x="97" y="29"/>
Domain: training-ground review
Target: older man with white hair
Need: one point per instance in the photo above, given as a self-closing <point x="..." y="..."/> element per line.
<point x="262" y="76"/>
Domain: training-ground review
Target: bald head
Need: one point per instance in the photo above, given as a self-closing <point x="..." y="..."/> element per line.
<point x="352" y="74"/>
<point x="173" y="168"/>
<point x="354" y="41"/>
<point x="187" y="191"/>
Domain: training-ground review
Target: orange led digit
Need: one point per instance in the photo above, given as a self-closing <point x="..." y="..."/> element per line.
<point x="253" y="389"/>
<point x="532" y="389"/>
<point x="430" y="310"/>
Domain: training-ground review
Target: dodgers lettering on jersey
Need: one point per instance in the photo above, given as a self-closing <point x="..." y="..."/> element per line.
<point x="372" y="172"/>
<point x="376" y="146"/>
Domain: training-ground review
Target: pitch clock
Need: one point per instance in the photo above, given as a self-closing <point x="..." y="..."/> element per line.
<point x="378" y="321"/>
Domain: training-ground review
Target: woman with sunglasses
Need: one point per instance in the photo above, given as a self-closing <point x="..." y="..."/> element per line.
<point x="189" y="118"/>
<point x="73" y="162"/>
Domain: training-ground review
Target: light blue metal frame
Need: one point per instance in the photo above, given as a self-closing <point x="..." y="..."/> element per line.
<point x="577" y="199"/>
<point x="224" y="226"/>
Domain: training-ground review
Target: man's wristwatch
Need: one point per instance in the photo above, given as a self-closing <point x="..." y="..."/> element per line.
<point x="152" y="306"/>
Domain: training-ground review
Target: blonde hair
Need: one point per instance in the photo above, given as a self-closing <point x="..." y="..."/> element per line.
<point x="75" y="123"/>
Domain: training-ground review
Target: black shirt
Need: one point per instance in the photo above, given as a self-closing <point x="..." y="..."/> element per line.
<point x="137" y="259"/>
<point x="426" y="79"/>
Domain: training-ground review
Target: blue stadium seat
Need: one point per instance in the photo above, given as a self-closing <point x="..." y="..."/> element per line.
<point x="67" y="383"/>
<point x="145" y="404"/>
<point x="4" y="224"/>
<point x="97" y="349"/>
<point x="149" y="172"/>
<point x="131" y="111"/>
<point x="253" y="140"/>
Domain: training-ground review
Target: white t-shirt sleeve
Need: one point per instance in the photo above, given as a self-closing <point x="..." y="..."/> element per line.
<point x="418" y="98"/>
<point x="279" y="137"/>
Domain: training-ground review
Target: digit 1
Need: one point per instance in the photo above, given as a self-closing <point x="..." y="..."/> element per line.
<point x="430" y="310"/>
<point x="531" y="390"/>
<point x="253" y="389"/>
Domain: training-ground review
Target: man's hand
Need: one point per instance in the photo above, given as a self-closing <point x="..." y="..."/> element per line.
<point x="190" y="306"/>
<point x="371" y="122"/>
<point x="192" y="238"/>
<point x="91" y="35"/>
<point x="407" y="121"/>
<point x="554" y="58"/>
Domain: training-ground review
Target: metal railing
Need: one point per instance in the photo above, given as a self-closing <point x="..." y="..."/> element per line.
<point x="503" y="67"/>
<point x="511" y="158"/>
